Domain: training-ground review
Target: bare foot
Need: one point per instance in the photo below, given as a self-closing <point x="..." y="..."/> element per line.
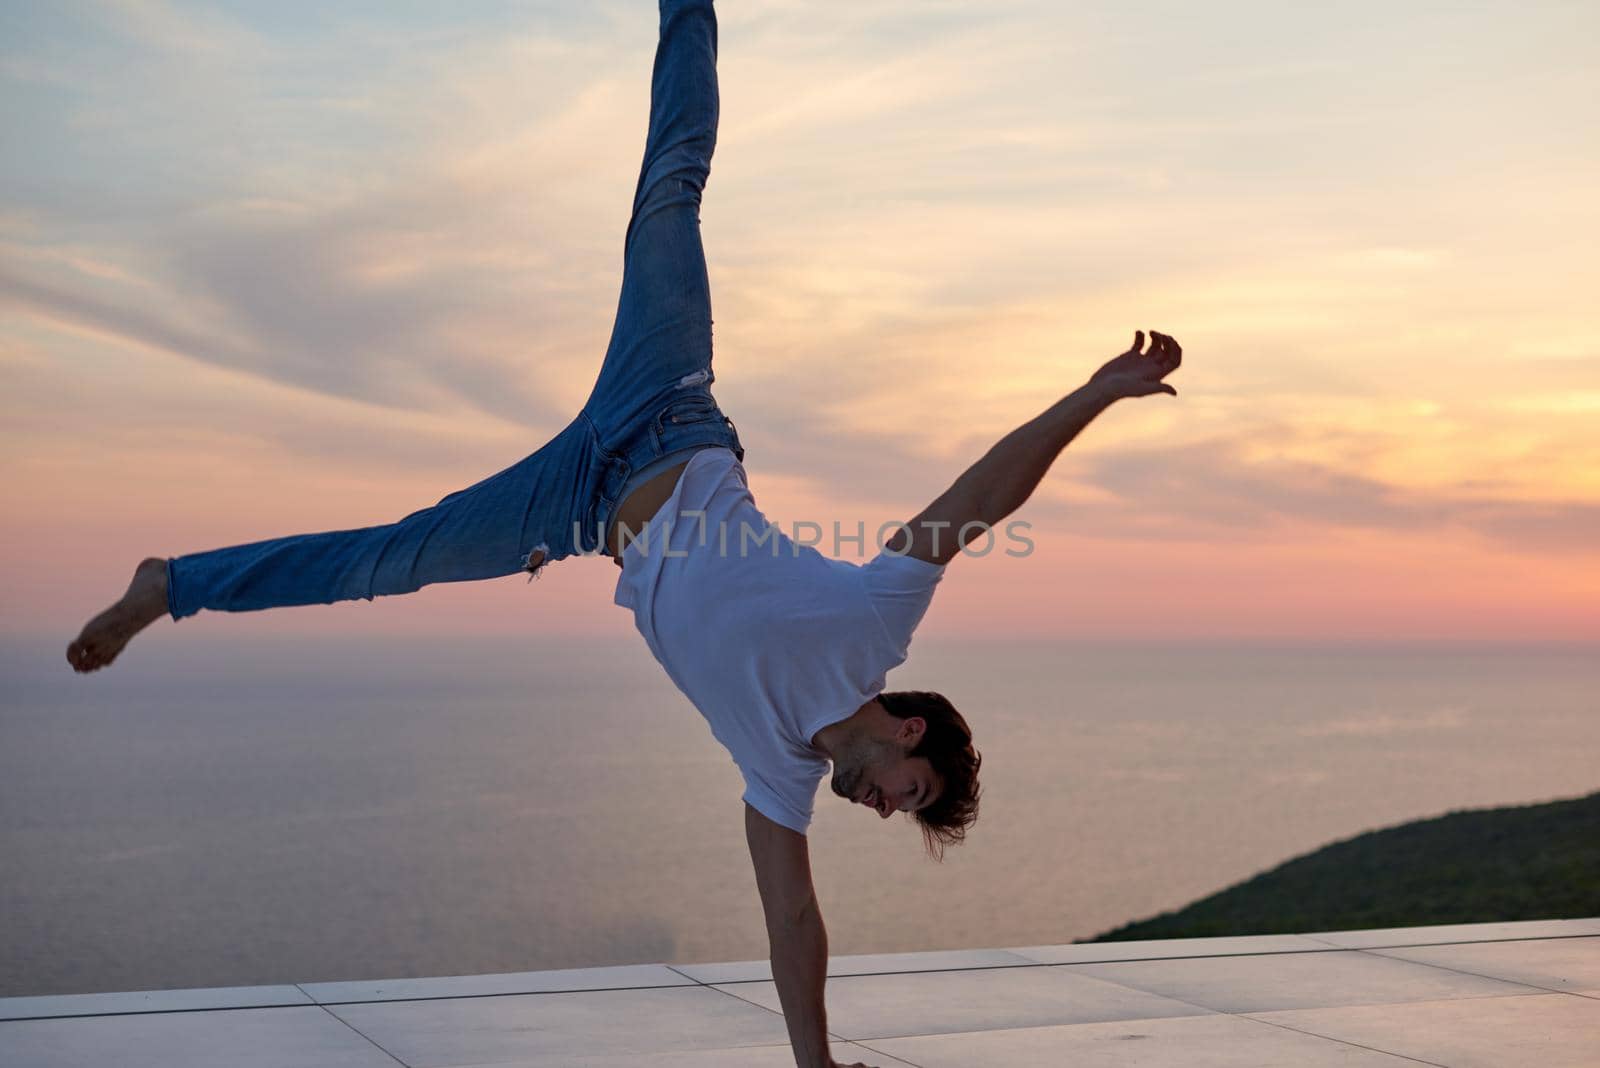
<point x="105" y="635"/>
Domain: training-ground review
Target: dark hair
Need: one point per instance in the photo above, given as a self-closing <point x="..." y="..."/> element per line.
<point x="947" y="745"/>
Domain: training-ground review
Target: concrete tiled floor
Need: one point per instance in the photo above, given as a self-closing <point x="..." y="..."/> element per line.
<point x="1217" y="1041"/>
<point x="221" y="997"/>
<point x="631" y="977"/>
<point x="296" y="1037"/>
<point x="1506" y="995"/>
<point x="1536" y="1031"/>
<point x="742" y="1057"/>
<point x="928" y="1003"/>
<point x="1296" y="980"/>
<point x="1568" y="965"/>
<point x="452" y="1031"/>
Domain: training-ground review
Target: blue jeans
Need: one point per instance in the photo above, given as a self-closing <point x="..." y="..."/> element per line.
<point x="651" y="405"/>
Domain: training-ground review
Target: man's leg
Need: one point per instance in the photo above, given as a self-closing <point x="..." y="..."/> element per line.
<point x="662" y="334"/>
<point x="524" y="516"/>
<point x="485" y="531"/>
<point x="517" y="520"/>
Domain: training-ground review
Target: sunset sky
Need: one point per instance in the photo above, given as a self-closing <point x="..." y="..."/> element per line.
<point x="275" y="268"/>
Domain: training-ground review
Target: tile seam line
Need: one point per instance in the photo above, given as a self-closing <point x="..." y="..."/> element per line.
<point x="687" y="976"/>
<point x="1199" y="1009"/>
<point x="162" y="1012"/>
<point x="911" y="971"/>
<point x="1527" y="992"/>
<point x="1198" y="956"/>
<point x="1200" y="1013"/>
<point x="1464" y="971"/>
<point x="1460" y="942"/>
<point x="892" y="1056"/>
<point x="314" y="1003"/>
<point x="1141" y="1019"/>
<point x="365" y="1037"/>
<point x="1340" y="1041"/>
<point x="516" y="993"/>
<point x="1330" y="947"/>
<point x="832" y="1037"/>
<point x="1531" y="992"/>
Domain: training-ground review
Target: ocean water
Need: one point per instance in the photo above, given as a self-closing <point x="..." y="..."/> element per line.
<point x="216" y="814"/>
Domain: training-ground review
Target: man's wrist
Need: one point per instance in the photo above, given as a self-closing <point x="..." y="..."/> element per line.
<point x="1102" y="390"/>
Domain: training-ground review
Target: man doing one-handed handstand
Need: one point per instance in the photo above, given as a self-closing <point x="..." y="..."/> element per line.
<point x="784" y="651"/>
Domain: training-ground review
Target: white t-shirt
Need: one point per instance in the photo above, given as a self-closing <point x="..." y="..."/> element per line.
<point x="771" y="647"/>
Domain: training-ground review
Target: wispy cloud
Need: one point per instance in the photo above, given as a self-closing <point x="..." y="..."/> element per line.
<point x="1215" y="486"/>
<point x="368" y="238"/>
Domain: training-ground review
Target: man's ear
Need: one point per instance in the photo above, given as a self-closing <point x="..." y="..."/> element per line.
<point x="910" y="732"/>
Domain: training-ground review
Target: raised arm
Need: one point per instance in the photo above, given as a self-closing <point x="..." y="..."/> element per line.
<point x="1008" y="473"/>
<point x="795" y="935"/>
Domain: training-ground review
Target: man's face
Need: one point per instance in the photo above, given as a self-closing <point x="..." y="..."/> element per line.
<point x="877" y="773"/>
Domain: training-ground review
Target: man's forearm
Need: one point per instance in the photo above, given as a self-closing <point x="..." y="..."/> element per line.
<point x="1012" y="469"/>
<point x="800" y="969"/>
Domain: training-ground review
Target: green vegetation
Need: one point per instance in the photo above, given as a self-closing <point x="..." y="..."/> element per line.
<point x="1528" y="862"/>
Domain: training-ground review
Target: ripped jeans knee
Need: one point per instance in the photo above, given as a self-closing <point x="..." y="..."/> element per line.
<point x="534" y="562"/>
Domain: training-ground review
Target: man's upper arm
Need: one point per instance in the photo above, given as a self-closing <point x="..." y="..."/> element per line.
<point x="782" y="862"/>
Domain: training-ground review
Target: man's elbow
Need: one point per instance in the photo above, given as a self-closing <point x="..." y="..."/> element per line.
<point x="930" y="537"/>
<point x="785" y="921"/>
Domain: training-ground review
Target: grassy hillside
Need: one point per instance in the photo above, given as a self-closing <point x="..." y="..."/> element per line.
<point x="1529" y="862"/>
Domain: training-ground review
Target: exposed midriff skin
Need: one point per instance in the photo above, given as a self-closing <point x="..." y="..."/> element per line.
<point x="637" y="508"/>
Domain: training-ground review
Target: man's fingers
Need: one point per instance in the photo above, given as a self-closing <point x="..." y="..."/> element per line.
<point x="1167" y="348"/>
<point x="1138" y="340"/>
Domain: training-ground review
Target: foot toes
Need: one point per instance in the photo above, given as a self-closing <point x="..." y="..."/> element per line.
<point x="88" y="657"/>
